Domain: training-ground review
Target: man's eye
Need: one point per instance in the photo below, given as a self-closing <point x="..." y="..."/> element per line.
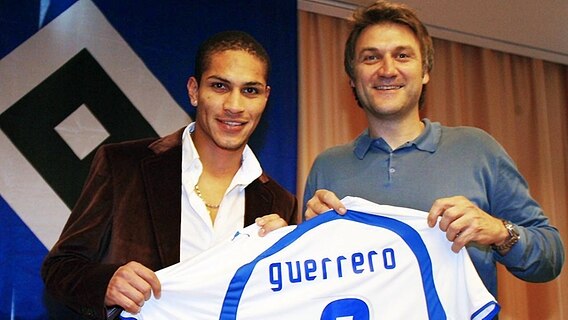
<point x="251" y="90"/>
<point x="218" y="85"/>
<point x="403" y="56"/>
<point x="370" y="58"/>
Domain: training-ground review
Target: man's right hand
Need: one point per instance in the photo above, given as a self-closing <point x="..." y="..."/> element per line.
<point x="132" y="285"/>
<point x="322" y="201"/>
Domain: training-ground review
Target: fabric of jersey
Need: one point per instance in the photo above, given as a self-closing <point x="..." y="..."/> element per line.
<point x="443" y="162"/>
<point x="198" y="232"/>
<point x="375" y="262"/>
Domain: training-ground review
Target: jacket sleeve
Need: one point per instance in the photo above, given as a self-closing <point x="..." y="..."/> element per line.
<point x="285" y="203"/>
<point x="292" y="216"/>
<point x="71" y="271"/>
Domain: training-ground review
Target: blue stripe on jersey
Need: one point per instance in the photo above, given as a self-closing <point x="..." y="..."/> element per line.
<point x="407" y="233"/>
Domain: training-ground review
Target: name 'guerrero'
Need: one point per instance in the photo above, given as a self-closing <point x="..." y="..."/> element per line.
<point x="310" y="269"/>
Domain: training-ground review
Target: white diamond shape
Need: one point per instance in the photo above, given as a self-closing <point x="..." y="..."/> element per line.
<point x="82" y="131"/>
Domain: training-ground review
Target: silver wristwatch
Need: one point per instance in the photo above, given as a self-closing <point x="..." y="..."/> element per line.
<point x="511" y="240"/>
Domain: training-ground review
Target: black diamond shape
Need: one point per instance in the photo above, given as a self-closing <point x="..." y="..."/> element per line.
<point x="30" y="122"/>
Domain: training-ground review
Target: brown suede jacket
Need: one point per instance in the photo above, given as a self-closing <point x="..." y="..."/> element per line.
<point x="130" y="210"/>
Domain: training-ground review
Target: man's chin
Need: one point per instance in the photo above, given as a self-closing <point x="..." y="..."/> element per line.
<point x="231" y="145"/>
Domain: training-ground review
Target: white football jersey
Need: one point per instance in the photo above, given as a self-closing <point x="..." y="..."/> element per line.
<point x="375" y="262"/>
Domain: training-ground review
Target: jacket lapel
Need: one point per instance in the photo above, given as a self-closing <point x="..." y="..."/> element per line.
<point x="162" y="180"/>
<point x="258" y="200"/>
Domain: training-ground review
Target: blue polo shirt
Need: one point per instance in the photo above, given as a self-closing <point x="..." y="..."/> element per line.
<point x="444" y="162"/>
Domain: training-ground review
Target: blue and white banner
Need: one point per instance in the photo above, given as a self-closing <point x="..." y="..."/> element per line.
<point x="76" y="74"/>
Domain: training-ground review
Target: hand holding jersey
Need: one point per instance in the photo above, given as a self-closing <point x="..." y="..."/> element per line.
<point x="461" y="220"/>
<point x="133" y="283"/>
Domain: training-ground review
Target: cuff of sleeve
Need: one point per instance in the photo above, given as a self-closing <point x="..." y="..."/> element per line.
<point x="97" y="280"/>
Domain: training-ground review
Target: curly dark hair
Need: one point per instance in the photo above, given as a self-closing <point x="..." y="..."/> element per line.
<point x="228" y="40"/>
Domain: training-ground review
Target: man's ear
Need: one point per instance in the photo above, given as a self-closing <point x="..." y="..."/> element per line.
<point x="426" y="77"/>
<point x="193" y="91"/>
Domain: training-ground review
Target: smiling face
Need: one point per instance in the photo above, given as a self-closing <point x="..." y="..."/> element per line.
<point x="230" y="99"/>
<point x="388" y="71"/>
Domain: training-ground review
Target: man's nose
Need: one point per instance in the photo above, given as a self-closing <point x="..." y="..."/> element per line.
<point x="234" y="102"/>
<point x="387" y="67"/>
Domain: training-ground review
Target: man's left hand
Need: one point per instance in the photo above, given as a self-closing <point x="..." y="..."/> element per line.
<point x="269" y="223"/>
<point x="464" y="222"/>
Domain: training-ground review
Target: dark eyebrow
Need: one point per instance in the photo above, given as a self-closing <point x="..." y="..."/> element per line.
<point x="373" y="49"/>
<point x="254" y="84"/>
<point x="369" y="49"/>
<point x="409" y="48"/>
<point x="247" y="84"/>
<point x="218" y="79"/>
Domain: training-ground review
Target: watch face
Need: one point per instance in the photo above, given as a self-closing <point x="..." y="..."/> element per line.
<point x="512" y="230"/>
<point x="512" y="239"/>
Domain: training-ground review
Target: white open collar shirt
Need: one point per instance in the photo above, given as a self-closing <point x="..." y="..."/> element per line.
<point x="198" y="232"/>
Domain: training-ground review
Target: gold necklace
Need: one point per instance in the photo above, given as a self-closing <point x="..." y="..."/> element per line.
<point x="208" y="205"/>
